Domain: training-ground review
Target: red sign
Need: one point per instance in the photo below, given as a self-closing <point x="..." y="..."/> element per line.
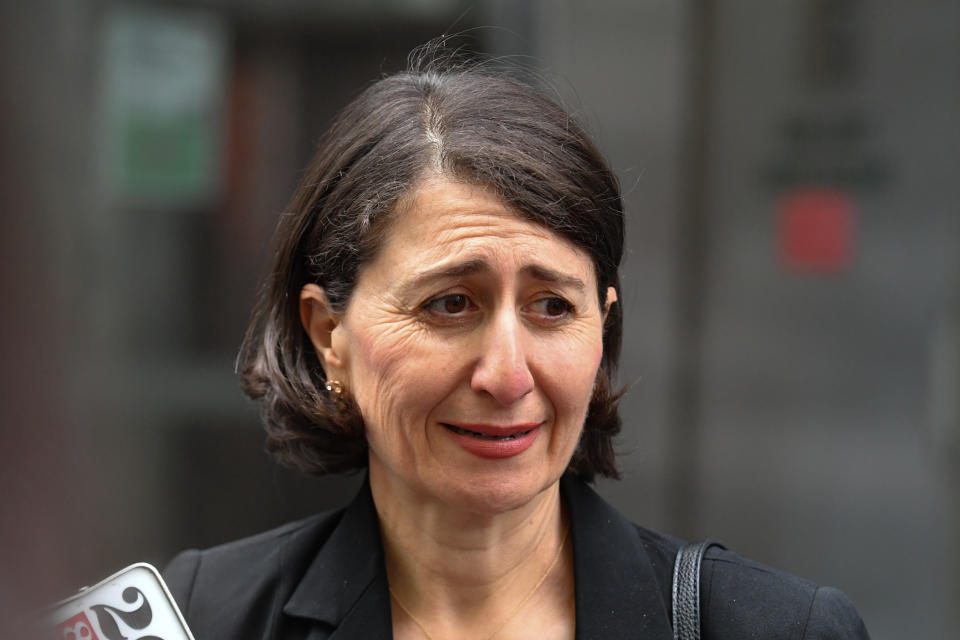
<point x="76" y="628"/>
<point x="816" y="230"/>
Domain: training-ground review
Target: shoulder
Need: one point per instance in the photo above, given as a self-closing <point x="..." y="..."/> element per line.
<point x="251" y="577"/>
<point x="741" y="598"/>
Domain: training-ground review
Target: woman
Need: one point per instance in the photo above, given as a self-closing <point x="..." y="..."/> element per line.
<point x="443" y="311"/>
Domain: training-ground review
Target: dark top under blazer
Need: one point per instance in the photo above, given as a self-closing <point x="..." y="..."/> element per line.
<point x="323" y="578"/>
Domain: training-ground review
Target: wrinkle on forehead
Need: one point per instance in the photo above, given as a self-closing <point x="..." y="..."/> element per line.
<point x="442" y="222"/>
<point x="479" y="211"/>
<point x="486" y="224"/>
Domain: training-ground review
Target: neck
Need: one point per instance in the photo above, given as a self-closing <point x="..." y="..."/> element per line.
<point x="459" y="569"/>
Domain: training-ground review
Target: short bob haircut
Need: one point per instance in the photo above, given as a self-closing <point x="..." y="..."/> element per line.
<point x="471" y="122"/>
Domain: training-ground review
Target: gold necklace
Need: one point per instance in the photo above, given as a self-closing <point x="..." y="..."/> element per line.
<point x="516" y="609"/>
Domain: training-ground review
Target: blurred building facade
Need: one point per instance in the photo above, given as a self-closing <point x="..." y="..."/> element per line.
<point x="791" y="287"/>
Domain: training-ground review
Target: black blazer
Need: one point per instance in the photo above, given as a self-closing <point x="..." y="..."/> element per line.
<point x="324" y="578"/>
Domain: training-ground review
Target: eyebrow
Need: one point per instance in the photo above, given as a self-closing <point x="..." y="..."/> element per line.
<point x="478" y="265"/>
<point x="539" y="272"/>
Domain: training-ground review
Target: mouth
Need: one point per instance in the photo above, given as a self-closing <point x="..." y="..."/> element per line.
<point x="492" y="433"/>
<point x="492" y="441"/>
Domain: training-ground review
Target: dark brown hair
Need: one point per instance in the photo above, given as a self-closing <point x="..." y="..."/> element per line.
<point x="471" y="122"/>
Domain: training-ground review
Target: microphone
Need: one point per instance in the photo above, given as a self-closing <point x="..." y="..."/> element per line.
<point x="132" y="604"/>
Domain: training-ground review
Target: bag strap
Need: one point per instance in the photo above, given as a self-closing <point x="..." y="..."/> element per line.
<point x="686" y="589"/>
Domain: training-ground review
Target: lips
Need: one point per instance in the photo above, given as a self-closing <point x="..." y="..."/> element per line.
<point x="494" y="441"/>
<point x="487" y="432"/>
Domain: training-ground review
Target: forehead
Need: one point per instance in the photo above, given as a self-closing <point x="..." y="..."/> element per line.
<point x="443" y="218"/>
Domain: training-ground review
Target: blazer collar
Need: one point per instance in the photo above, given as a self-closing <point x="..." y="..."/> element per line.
<point x="617" y="592"/>
<point x="345" y="586"/>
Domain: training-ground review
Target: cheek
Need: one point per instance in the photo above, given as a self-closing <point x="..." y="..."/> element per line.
<point x="396" y="375"/>
<point x="570" y="370"/>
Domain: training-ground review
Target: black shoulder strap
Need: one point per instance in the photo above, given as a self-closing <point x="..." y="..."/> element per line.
<point x="686" y="589"/>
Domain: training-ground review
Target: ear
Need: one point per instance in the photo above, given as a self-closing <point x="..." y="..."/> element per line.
<point x="319" y="321"/>
<point x="611" y="298"/>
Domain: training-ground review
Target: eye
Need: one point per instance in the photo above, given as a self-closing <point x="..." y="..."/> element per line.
<point x="553" y="307"/>
<point x="452" y="304"/>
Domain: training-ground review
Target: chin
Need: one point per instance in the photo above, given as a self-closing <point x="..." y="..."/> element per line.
<point x="491" y="496"/>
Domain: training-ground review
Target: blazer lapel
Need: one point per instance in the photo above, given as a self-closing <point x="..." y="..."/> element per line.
<point x="345" y="587"/>
<point x="617" y="591"/>
<point x="370" y="615"/>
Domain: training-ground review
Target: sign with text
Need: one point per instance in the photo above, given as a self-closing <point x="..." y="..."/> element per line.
<point x="133" y="604"/>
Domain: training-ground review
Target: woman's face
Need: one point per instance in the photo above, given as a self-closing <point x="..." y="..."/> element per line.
<point x="471" y="344"/>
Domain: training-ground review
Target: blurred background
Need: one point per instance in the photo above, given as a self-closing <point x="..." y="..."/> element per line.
<point x="791" y="291"/>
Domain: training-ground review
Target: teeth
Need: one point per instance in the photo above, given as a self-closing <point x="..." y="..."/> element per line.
<point x="483" y="436"/>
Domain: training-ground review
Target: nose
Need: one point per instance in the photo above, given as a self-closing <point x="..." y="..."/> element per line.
<point x="503" y="370"/>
